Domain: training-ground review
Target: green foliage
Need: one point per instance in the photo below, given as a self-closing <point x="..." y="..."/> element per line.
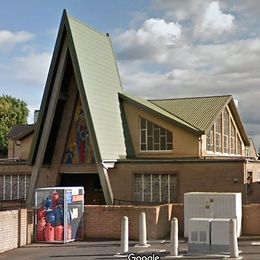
<point x="13" y="111"/>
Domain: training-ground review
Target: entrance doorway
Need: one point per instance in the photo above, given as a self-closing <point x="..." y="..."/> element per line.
<point x="90" y="182"/>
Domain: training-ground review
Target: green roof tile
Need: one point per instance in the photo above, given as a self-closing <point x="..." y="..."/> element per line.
<point x="199" y="112"/>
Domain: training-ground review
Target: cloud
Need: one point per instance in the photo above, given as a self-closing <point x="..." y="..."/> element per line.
<point x="32" y="69"/>
<point x="180" y="10"/>
<point x="8" y="39"/>
<point x="214" y="22"/>
<point x="149" y="41"/>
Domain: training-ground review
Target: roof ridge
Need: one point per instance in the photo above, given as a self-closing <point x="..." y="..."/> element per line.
<point x="164" y="99"/>
<point x="86" y="25"/>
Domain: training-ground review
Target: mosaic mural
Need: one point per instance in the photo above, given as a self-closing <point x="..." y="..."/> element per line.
<point x="79" y="148"/>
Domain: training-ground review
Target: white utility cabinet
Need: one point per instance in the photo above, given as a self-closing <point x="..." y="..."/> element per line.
<point x="212" y="205"/>
<point x="220" y="235"/>
<point x="58" y="214"/>
<point x="199" y="235"/>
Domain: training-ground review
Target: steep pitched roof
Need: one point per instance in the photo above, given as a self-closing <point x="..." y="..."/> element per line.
<point x="18" y="132"/>
<point x="98" y="81"/>
<point x="201" y="112"/>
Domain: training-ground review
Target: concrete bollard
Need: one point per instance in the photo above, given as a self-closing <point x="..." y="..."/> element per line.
<point x="174" y="237"/>
<point x="142" y="230"/>
<point x="233" y="247"/>
<point x="124" y="236"/>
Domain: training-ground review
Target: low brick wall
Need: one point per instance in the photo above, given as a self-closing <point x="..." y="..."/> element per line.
<point x="101" y="221"/>
<point x="16" y="228"/>
<point x="250" y="220"/>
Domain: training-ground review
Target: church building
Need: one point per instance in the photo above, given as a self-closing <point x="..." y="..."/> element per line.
<point x="126" y="149"/>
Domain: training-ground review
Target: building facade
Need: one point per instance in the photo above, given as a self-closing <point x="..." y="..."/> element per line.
<point x="122" y="148"/>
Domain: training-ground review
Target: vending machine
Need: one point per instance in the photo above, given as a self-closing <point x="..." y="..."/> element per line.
<point x="59" y="214"/>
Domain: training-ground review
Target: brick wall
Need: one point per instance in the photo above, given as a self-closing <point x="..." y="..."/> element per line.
<point x="16" y="228"/>
<point x="250" y="220"/>
<point x="105" y="221"/>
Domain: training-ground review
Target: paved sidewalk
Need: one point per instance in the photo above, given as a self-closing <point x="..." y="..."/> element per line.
<point x="110" y="249"/>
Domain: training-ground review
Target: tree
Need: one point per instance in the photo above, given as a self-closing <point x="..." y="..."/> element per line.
<point x="13" y="111"/>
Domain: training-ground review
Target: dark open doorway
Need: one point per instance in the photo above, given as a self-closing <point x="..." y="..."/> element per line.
<point x="90" y="182"/>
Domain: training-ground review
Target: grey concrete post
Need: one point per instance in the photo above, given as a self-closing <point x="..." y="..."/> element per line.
<point x="233" y="247"/>
<point x="124" y="235"/>
<point x="142" y="230"/>
<point x="174" y="237"/>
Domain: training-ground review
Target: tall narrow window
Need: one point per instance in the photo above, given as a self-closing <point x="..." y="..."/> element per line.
<point x="218" y="134"/>
<point x="154" y="137"/>
<point x="226" y="131"/>
<point x="232" y="139"/>
<point x="223" y="137"/>
<point x="210" y="140"/>
<point x="239" y="146"/>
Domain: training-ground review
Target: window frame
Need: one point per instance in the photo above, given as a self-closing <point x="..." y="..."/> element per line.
<point x="164" y="136"/>
<point x="171" y="190"/>
<point x="228" y="144"/>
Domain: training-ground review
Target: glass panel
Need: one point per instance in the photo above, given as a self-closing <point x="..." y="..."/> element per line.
<point x="162" y="131"/>
<point x="218" y="142"/>
<point x="150" y="142"/>
<point x="239" y="146"/>
<point x="15" y="187"/>
<point x="226" y="122"/>
<point x="226" y="146"/>
<point x="22" y="186"/>
<point x="143" y="136"/>
<point x="155" y="187"/>
<point x="156" y="135"/>
<point x="156" y="126"/>
<point x="27" y="183"/>
<point x="210" y="140"/>
<point x="149" y="128"/>
<point x="147" y="187"/>
<point x="7" y="187"/>
<point x="143" y="147"/>
<point x="143" y="123"/>
<point x="1" y="187"/>
<point x="173" y="188"/>
<point x="156" y="147"/>
<point x="169" y="137"/>
<point x="138" y="187"/>
<point x="219" y="124"/>
<point x="169" y="146"/>
<point x="163" y="142"/>
<point x="164" y="187"/>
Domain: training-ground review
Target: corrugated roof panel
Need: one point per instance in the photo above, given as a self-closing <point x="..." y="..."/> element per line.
<point x="101" y="85"/>
<point x="199" y="112"/>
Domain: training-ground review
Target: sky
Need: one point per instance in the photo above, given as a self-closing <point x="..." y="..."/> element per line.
<point x="164" y="48"/>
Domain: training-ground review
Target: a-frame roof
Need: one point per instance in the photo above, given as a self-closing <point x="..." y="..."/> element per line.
<point x="98" y="82"/>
